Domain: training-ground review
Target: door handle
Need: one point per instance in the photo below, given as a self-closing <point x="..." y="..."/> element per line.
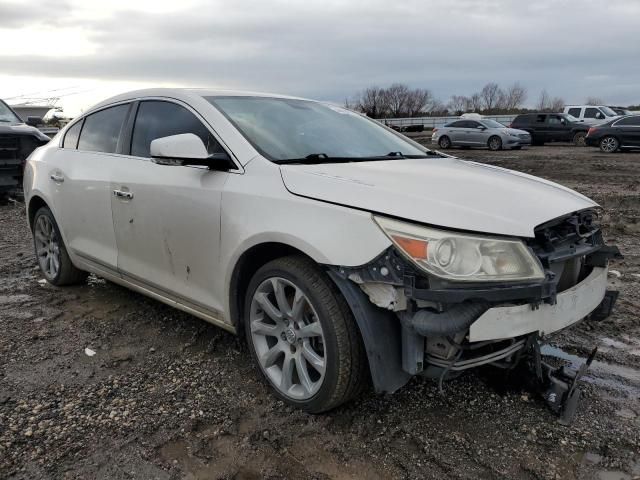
<point x="121" y="194"/>
<point x="56" y="177"/>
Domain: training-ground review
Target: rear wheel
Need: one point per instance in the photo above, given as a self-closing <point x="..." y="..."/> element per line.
<point x="444" y="142"/>
<point x="494" y="143"/>
<point x="579" y="139"/>
<point x="51" y="252"/>
<point x="302" y="335"/>
<point x="609" y="144"/>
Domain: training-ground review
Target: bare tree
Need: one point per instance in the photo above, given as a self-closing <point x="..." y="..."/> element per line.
<point x="594" y="101"/>
<point x="476" y="102"/>
<point x="548" y="104"/>
<point x="397" y="97"/>
<point x="514" y="97"/>
<point x="459" y="104"/>
<point x="490" y="94"/>
<point x="372" y="102"/>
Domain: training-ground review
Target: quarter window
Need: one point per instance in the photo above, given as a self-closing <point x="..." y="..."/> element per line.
<point x="628" y="122"/>
<point x="72" y="135"/>
<point x="102" y="129"/>
<point x="574" y="112"/>
<point x="157" y="119"/>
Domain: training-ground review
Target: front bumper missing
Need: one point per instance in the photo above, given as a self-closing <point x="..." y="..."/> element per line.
<point x="571" y="306"/>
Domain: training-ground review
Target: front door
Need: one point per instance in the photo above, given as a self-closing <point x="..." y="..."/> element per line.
<point x="167" y="218"/>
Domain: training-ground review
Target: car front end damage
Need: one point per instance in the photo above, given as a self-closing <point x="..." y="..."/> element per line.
<point x="495" y="307"/>
<point x="17" y="142"/>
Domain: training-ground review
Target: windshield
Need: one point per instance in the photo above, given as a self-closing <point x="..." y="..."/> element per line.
<point x="608" y="112"/>
<point x="492" y="124"/>
<point x="288" y="129"/>
<point x="570" y="118"/>
<point x="6" y="115"/>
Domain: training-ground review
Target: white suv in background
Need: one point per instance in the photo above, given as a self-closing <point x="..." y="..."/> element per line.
<point x="343" y="250"/>
<point x="591" y="114"/>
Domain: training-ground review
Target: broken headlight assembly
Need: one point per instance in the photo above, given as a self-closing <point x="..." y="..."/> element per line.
<point x="463" y="257"/>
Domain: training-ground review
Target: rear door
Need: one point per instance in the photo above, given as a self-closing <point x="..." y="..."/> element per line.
<point x="629" y="129"/>
<point x="455" y="132"/>
<point x="540" y="128"/>
<point x="168" y="224"/>
<point x="81" y="175"/>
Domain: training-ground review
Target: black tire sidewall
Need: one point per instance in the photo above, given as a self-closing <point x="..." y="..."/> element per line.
<point x="448" y="145"/>
<point x="576" y="139"/>
<point x="317" y="402"/>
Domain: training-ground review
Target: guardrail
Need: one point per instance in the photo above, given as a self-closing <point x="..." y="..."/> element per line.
<point x="431" y="122"/>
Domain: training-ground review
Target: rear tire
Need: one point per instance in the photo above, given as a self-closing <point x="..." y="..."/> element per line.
<point x="302" y="335"/>
<point x="609" y="144"/>
<point x="444" y="142"/>
<point x="494" y="143"/>
<point x="579" y="139"/>
<point x="51" y="252"/>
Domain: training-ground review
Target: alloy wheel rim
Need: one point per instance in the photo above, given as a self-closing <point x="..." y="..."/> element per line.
<point x="47" y="247"/>
<point x="288" y="338"/>
<point x="609" y="144"/>
<point x="444" y="143"/>
<point x="495" y="143"/>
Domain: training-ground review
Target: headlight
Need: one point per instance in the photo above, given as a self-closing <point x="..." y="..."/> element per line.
<point x="462" y="257"/>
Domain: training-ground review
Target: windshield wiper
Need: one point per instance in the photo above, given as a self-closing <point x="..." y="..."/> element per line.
<point x="316" y="158"/>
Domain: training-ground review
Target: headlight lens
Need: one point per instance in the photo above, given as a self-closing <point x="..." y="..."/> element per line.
<point x="462" y="257"/>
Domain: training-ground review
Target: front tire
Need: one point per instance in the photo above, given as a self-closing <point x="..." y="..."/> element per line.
<point x="609" y="144"/>
<point x="302" y="335"/>
<point x="444" y="142"/>
<point x="494" y="143"/>
<point x="579" y="139"/>
<point x="51" y="252"/>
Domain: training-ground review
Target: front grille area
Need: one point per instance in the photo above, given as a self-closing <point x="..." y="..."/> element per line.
<point x="9" y="147"/>
<point x="562" y="245"/>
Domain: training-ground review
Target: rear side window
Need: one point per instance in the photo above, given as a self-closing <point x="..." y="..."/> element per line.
<point x="458" y="124"/>
<point x="574" y="112"/>
<point x="592" y="113"/>
<point x="157" y="119"/>
<point x="72" y="135"/>
<point x="102" y="129"/>
<point x="629" y="122"/>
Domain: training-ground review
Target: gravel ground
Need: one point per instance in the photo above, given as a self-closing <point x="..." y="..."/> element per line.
<point x="169" y="396"/>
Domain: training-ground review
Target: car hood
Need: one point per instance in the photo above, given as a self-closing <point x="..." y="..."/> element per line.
<point x="22" y="129"/>
<point x="445" y="192"/>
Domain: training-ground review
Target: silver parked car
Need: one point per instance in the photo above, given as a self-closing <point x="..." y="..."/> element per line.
<point x="479" y="133"/>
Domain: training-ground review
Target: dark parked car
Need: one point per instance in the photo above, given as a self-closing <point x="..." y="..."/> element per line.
<point x="17" y="141"/>
<point x="551" y="127"/>
<point x="619" y="134"/>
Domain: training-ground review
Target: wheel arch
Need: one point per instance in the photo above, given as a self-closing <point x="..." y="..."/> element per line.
<point x="36" y="202"/>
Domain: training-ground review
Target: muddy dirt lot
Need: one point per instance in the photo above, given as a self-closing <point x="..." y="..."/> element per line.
<point x="168" y="396"/>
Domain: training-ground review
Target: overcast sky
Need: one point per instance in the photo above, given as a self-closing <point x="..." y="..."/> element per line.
<point x="325" y="49"/>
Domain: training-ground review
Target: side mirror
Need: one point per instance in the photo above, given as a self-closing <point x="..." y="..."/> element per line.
<point x="480" y="127"/>
<point x="34" y="121"/>
<point x="187" y="149"/>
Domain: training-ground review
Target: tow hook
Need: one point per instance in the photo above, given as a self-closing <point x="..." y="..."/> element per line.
<point x="559" y="385"/>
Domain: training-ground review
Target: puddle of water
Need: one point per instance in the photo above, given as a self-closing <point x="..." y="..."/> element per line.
<point x="600" y="373"/>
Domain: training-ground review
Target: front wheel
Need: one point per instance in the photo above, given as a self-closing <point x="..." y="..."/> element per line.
<point x="579" y="139"/>
<point x="51" y="252"/>
<point x="609" y="144"/>
<point x="444" y="142"/>
<point x="302" y="335"/>
<point x="495" y="143"/>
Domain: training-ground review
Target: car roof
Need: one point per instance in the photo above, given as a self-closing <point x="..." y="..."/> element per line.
<point x="185" y="94"/>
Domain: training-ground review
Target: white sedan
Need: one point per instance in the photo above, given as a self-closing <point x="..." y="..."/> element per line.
<point x="341" y="249"/>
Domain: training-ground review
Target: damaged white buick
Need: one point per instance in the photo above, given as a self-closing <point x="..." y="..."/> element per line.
<point x="345" y="252"/>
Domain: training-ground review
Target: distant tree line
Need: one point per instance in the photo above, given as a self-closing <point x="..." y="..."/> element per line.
<point x="399" y="100"/>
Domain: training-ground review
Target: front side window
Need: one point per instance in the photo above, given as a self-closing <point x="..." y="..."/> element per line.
<point x="555" y="120"/>
<point x="629" y="122"/>
<point x="158" y="119"/>
<point x="102" y="129"/>
<point x="574" y="112"/>
<point x="7" y="115"/>
<point x="291" y="129"/>
<point x="592" y="113"/>
<point x="72" y="135"/>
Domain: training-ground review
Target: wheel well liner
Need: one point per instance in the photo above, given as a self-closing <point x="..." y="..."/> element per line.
<point x="35" y="204"/>
<point x="246" y="266"/>
<point x="381" y="334"/>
